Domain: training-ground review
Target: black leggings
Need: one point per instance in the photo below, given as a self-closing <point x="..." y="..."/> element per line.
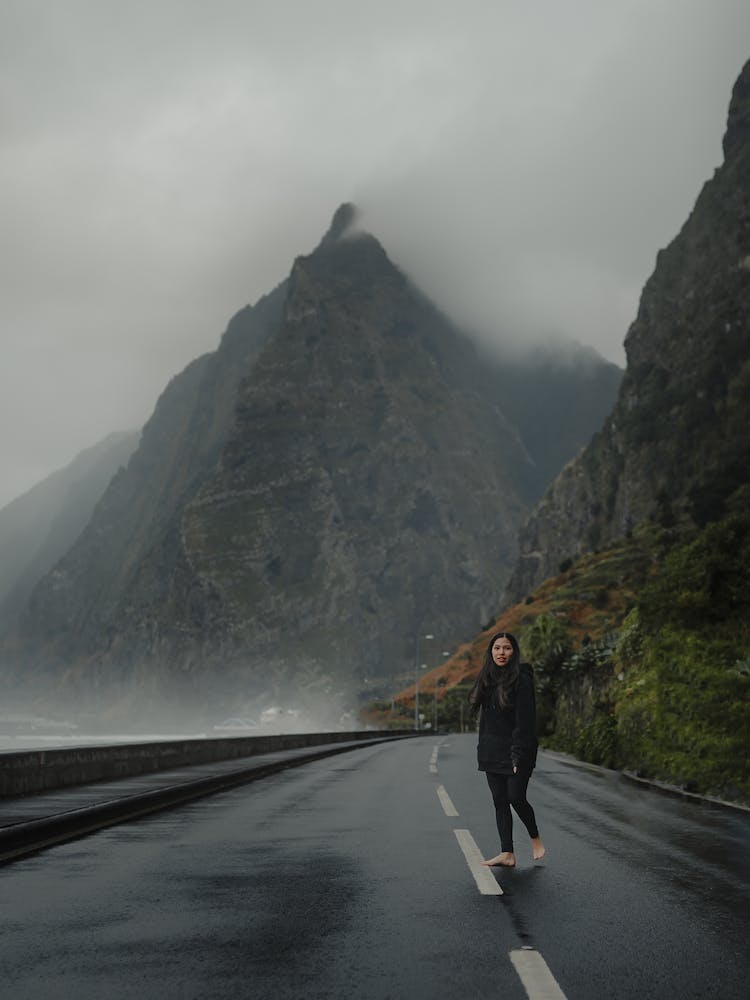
<point x="510" y="790"/>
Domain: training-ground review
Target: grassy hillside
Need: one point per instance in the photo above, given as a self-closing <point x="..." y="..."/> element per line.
<point x="641" y="655"/>
<point x="576" y="607"/>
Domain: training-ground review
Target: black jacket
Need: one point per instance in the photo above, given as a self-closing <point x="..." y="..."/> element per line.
<point x="507" y="736"/>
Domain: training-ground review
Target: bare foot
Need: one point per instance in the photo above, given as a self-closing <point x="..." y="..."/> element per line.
<point x="538" y="849"/>
<point x="506" y="860"/>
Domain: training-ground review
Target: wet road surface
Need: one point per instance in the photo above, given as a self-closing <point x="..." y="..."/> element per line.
<point x="345" y="878"/>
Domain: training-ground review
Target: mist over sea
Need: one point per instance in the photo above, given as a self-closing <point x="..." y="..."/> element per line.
<point x="37" y="741"/>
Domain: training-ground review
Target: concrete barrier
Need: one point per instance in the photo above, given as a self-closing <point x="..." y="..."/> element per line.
<point x="27" y="772"/>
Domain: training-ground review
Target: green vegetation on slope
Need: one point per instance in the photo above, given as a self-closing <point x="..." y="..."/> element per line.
<point x="666" y="690"/>
<point x="641" y="655"/>
<point x="684" y="653"/>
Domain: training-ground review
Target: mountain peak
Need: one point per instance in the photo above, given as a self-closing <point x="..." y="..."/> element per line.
<point x="738" y="119"/>
<point x="343" y="219"/>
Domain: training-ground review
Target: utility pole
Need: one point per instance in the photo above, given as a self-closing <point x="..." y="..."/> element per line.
<point x="435" y="697"/>
<point x="420" y="636"/>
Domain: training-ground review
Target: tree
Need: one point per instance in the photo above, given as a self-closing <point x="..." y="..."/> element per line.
<point x="546" y="643"/>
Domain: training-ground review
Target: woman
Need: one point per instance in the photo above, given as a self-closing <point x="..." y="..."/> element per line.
<point x="503" y="695"/>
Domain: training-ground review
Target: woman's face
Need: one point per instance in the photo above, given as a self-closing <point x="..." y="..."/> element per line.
<point x="502" y="651"/>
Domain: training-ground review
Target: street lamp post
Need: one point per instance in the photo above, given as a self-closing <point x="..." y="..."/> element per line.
<point x="435" y="697"/>
<point x="427" y="635"/>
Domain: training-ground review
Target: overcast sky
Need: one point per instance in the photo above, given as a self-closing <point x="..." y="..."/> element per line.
<point x="163" y="162"/>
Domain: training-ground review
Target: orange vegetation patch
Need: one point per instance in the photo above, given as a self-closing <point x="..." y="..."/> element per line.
<point x="592" y="598"/>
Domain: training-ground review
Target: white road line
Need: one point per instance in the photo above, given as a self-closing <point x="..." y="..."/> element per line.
<point x="483" y="877"/>
<point x="433" y="769"/>
<point x="445" y="801"/>
<point x="534" y="973"/>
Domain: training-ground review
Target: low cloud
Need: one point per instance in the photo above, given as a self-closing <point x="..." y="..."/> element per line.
<point x="162" y="164"/>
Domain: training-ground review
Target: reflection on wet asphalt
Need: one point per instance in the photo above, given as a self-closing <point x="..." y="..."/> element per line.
<point x="343" y="878"/>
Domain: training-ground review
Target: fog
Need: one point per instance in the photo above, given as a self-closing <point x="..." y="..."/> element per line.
<point x="27" y="729"/>
<point x="162" y="164"/>
<point x="56" y="713"/>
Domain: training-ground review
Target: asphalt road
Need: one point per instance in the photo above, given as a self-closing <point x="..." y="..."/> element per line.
<point x="345" y="878"/>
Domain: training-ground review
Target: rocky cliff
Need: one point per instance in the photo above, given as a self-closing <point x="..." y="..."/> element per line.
<point x="677" y="443"/>
<point x="338" y="476"/>
<point x="367" y="482"/>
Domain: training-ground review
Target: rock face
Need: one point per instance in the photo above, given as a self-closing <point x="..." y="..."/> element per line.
<point x="339" y="476"/>
<point x="677" y="443"/>
<point x="365" y="483"/>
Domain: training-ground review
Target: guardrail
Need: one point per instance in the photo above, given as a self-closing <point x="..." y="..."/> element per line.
<point x="27" y="772"/>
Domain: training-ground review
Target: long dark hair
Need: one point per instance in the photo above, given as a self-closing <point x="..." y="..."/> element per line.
<point x="493" y="679"/>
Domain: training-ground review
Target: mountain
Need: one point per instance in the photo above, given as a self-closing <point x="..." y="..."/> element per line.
<point x="557" y="393"/>
<point x="675" y="447"/>
<point x="38" y="527"/>
<point x="341" y="474"/>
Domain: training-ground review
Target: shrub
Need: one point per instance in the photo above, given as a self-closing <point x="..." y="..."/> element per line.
<point x="684" y="714"/>
<point x="545" y="642"/>
<point x="597" y="741"/>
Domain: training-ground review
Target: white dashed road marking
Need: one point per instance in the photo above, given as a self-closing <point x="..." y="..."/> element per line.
<point x="532" y="970"/>
<point x="483" y="877"/>
<point x="535" y="975"/>
<point x="445" y="801"/>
